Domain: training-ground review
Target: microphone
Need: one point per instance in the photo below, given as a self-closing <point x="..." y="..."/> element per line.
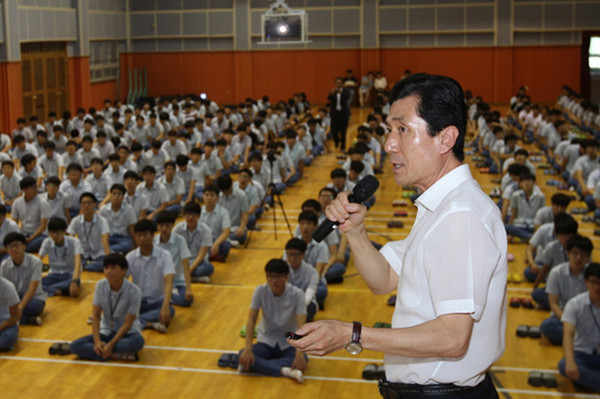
<point x="363" y="190"/>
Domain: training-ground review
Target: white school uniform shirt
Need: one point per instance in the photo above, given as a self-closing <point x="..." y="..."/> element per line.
<point x="90" y="234"/>
<point x="148" y="272"/>
<point x="453" y="261"/>
<point x="120" y="220"/>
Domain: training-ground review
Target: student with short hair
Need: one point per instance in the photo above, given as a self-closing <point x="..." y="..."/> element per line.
<point x="121" y="218"/>
<point x="154" y="191"/>
<point x="9" y="184"/>
<point x="151" y="268"/>
<point x="6" y="226"/>
<point x="283" y="310"/>
<point x="116" y="331"/>
<point x="236" y="203"/>
<point x="217" y="218"/>
<point x="564" y="282"/>
<point x="32" y="212"/>
<point x="9" y="314"/>
<point x="25" y="272"/>
<point x="177" y="246"/>
<point x="581" y="319"/>
<point x="64" y="258"/>
<point x="302" y="275"/>
<point x="98" y="180"/>
<point x="92" y="230"/>
<point x="74" y="186"/>
<point x="198" y="237"/>
<point x="58" y="201"/>
<point x="524" y="204"/>
<point x="174" y="186"/>
<point x="560" y="203"/>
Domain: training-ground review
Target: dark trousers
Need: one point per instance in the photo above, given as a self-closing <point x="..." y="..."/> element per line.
<point x="339" y="125"/>
<point x="484" y="390"/>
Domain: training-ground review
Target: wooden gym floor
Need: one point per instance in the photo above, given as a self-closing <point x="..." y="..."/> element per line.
<point x="184" y="361"/>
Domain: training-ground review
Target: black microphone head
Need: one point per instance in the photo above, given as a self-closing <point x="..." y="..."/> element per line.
<point x="364" y="189"/>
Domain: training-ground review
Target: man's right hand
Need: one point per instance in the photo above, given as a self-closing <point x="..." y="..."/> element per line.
<point x="247" y="359"/>
<point x="350" y="216"/>
<point x="572" y="371"/>
<point x="99" y="348"/>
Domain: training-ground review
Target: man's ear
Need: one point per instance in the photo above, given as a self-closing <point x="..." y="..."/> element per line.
<point x="448" y="138"/>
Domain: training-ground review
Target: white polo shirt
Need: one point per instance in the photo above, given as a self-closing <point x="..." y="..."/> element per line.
<point x="453" y="261"/>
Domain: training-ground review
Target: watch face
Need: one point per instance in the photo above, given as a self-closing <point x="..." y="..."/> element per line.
<point x="354" y="348"/>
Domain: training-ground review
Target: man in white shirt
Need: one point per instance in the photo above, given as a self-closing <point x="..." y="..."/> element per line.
<point x="450" y="272"/>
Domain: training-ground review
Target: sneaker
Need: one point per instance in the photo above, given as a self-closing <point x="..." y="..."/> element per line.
<point x="161" y="328"/>
<point x="202" y="279"/>
<point x="35" y="320"/>
<point x="235" y="243"/>
<point x="128" y="357"/>
<point x="89" y="320"/>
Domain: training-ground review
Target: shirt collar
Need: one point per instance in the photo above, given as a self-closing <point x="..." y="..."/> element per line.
<point x="94" y="219"/>
<point x="434" y="195"/>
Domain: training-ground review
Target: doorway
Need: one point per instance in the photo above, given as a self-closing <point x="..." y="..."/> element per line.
<point x="44" y="71"/>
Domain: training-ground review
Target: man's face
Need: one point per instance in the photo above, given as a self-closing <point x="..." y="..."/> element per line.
<point x="7" y="170"/>
<point x="143" y="238"/>
<point x="210" y="198"/>
<point x="243" y="180"/>
<point x="294" y="258"/>
<point x="16" y="249"/>
<point x="593" y="285"/>
<point x="578" y="259"/>
<point x="526" y="185"/>
<point x="116" y="197"/>
<point x="169" y="172"/>
<point x="74" y="176"/>
<point x="414" y="154"/>
<point x="164" y="229"/>
<point x="307" y="227"/>
<point x="191" y="218"/>
<point x="276" y="283"/>
<point x="591" y="151"/>
<point x="87" y="205"/>
<point x="149" y="178"/>
<point x="339" y="182"/>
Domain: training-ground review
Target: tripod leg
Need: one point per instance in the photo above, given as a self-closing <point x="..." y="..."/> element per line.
<point x="280" y="202"/>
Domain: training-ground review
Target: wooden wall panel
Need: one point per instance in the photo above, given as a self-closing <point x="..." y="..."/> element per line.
<point x="101" y="91"/>
<point x="11" y="102"/>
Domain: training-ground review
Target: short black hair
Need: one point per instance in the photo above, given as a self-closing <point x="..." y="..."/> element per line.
<point x="116" y="259"/>
<point x="130" y="174"/>
<point x="192" y="207"/>
<point x="309" y="216"/>
<point x="57" y="224"/>
<point x="297" y="244"/>
<point x="3" y="209"/>
<point x="12" y="237"/>
<point x="119" y="187"/>
<point x="143" y="226"/>
<point x="338" y="172"/>
<point x="224" y="182"/>
<point x="148" y="169"/>
<point x="561" y="199"/>
<point x="277" y="266"/>
<point x="53" y="180"/>
<point x="592" y="270"/>
<point x="74" y="166"/>
<point x="165" y="217"/>
<point x="312" y="203"/>
<point x="441" y="104"/>
<point x="565" y="224"/>
<point x="580" y="242"/>
<point x="89" y="195"/>
<point x="27" y="182"/>
<point x="211" y="188"/>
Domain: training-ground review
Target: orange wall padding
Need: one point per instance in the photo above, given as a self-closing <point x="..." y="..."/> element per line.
<point x="11" y="101"/>
<point x="495" y="73"/>
<point x="492" y="72"/>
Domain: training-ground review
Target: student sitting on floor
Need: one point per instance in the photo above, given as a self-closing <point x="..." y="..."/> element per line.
<point x="58" y="201"/>
<point x="33" y="213"/>
<point x="151" y="268"/>
<point x="64" y="258"/>
<point x="524" y="204"/>
<point x="236" y="203"/>
<point x="217" y="218"/>
<point x="564" y="282"/>
<point x="155" y="192"/>
<point x="9" y="314"/>
<point x="25" y="272"/>
<point x="199" y="240"/>
<point x="177" y="247"/>
<point x="6" y="226"/>
<point x="174" y="186"/>
<point x="116" y="335"/>
<point x="121" y="218"/>
<point x="302" y="275"/>
<point x="283" y="310"/>
<point x="92" y="230"/>
<point x="581" y="321"/>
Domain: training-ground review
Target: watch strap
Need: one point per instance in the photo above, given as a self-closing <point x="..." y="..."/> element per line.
<point x="356" y="331"/>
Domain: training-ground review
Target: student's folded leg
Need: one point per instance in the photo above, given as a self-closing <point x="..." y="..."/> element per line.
<point x="280" y="188"/>
<point x="552" y="328"/>
<point x="251" y="221"/>
<point x="540" y="296"/>
<point x="8" y="337"/>
<point x="84" y="347"/>
<point x="132" y="342"/>
<point x="241" y="239"/>
<point x="311" y="311"/>
<point x="178" y="297"/>
<point x="204" y="269"/>
<point x="54" y="282"/>
<point x="74" y="211"/>
<point x="529" y="275"/>
<point x="33" y="309"/>
<point x="150" y="311"/>
<point x="294" y="179"/>
<point x="335" y="274"/>
<point x="267" y="360"/>
<point x="120" y="243"/>
<point x="322" y="290"/>
<point x="175" y="208"/>
<point x="95" y="265"/>
<point x="224" y="248"/>
<point x="34" y="245"/>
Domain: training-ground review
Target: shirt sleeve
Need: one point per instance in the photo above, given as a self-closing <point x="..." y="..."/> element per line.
<point x="44" y="249"/>
<point x="167" y="262"/>
<point x="552" y="286"/>
<point x="184" y="251"/>
<point x="571" y="311"/>
<point x="36" y="274"/>
<point x="77" y="248"/>
<point x="135" y="300"/>
<point x="257" y="298"/>
<point x="9" y="293"/>
<point x="104" y="228"/>
<point x="225" y="219"/>
<point x="71" y="229"/>
<point x="98" y="295"/>
<point x="460" y="256"/>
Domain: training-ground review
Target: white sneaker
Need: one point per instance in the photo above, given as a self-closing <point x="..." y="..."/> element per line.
<point x="235" y="243"/>
<point x="161" y="328"/>
<point x="203" y="280"/>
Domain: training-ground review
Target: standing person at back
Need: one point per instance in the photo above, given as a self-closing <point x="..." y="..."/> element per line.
<point x="339" y="113"/>
<point x="450" y="272"/>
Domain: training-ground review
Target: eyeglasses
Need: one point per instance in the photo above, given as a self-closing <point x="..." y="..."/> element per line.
<point x="275" y="276"/>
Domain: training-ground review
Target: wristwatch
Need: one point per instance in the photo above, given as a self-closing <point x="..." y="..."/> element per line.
<point x="354" y="347"/>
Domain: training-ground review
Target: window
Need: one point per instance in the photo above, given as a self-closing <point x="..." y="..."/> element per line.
<point x="104" y="60"/>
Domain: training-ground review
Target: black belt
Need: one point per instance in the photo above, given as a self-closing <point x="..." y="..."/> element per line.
<point x="396" y="390"/>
